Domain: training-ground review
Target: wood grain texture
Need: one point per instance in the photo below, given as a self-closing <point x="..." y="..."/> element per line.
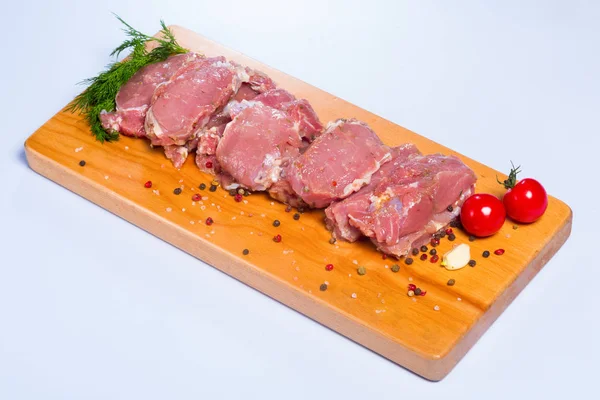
<point x="408" y="331"/>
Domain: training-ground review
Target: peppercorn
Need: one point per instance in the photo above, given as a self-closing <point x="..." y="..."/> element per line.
<point x="471" y="238"/>
<point x="486" y="254"/>
<point x="499" y="252"/>
<point x="423" y="257"/>
<point x="245" y="252"/>
<point x="450" y="208"/>
<point x="332" y="240"/>
<point x="209" y="221"/>
<point x="82" y="163"/>
<point x="246" y="193"/>
<point x="434" y="242"/>
<point x="238" y="197"/>
<point x="423" y="248"/>
<point x="277" y="238"/>
<point x="323" y="287"/>
<point x="412" y="286"/>
<point x="515" y="227"/>
<point x="276" y="223"/>
<point x="177" y="191"/>
<point x="434" y="258"/>
<point x="384" y="256"/>
<point x="232" y="192"/>
<point x="301" y="210"/>
<point x="213" y="188"/>
<point x="415" y="251"/>
<point x="202" y="186"/>
<point x="196" y="197"/>
<point x="395" y="268"/>
<point x="329" y="267"/>
<point x="408" y="261"/>
<point x="296" y="216"/>
<point x="288" y="209"/>
<point x="451" y="237"/>
<point x="451" y="282"/>
<point x="454" y="223"/>
<point x="241" y="191"/>
<point x="433" y="252"/>
<point x="148" y="184"/>
<point x="472" y="263"/>
<point x="449" y="231"/>
<point x="361" y="270"/>
<point x="442" y="234"/>
<point x="410" y="293"/>
<point x="418" y="291"/>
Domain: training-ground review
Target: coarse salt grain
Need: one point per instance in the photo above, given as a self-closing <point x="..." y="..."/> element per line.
<point x="382" y="301"/>
<point x="233" y="218"/>
<point x="169" y="209"/>
<point x="204" y="198"/>
<point x="354" y="262"/>
<point x="295" y="278"/>
<point x="106" y="177"/>
<point x="414" y="299"/>
<point x="272" y="203"/>
<point x="207" y="235"/>
<point x="203" y="208"/>
<point x="245" y="201"/>
<point x="297" y="268"/>
<point x="379" y="311"/>
<point x="436" y="307"/>
<point x="459" y="299"/>
<point x="349" y="275"/>
<point x="326" y="282"/>
<point x="212" y="204"/>
<point x="77" y="150"/>
<point x="129" y="176"/>
<point x="263" y="215"/>
<point x="181" y="181"/>
<point x="156" y="192"/>
<point x="126" y="147"/>
<point x="183" y="209"/>
<point x="302" y="228"/>
<point x="162" y="165"/>
<point x="410" y="279"/>
<point x="354" y="295"/>
<point x="386" y="266"/>
<point x="192" y="222"/>
<point x="212" y="232"/>
<point x="241" y="213"/>
<point x="193" y="203"/>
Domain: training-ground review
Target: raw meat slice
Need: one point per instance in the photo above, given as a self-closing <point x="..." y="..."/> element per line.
<point x="257" y="145"/>
<point x="177" y="154"/>
<point x="337" y="213"/>
<point x="410" y="204"/>
<point x="338" y="163"/>
<point x="133" y="99"/>
<point x="183" y="105"/>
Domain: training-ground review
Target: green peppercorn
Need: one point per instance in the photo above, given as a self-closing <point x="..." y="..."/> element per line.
<point x="276" y="223"/>
<point x="82" y="163"/>
<point x="332" y="240"/>
<point x="395" y="268"/>
<point x="361" y="270"/>
<point x="408" y="261"/>
<point x="486" y="254"/>
<point x="472" y="263"/>
<point x="418" y="292"/>
<point x="246" y="252"/>
<point x="451" y="282"/>
<point x="323" y="287"/>
<point x="213" y="188"/>
<point x="296" y="216"/>
<point x="177" y="191"/>
<point x="202" y="186"/>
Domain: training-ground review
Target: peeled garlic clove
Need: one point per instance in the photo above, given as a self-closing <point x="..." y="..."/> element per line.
<point x="457" y="258"/>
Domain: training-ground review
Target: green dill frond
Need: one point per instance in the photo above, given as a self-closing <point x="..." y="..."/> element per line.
<point x="102" y="90"/>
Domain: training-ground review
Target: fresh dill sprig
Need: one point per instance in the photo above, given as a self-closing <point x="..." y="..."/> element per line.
<point x="102" y="90"/>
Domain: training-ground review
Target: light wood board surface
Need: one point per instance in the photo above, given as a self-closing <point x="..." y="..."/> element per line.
<point x="373" y="310"/>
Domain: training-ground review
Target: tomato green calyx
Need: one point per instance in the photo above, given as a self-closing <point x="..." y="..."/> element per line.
<point x="512" y="177"/>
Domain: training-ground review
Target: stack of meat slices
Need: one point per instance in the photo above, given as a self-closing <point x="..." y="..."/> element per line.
<point x="252" y="134"/>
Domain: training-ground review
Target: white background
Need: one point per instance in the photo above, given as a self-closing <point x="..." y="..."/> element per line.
<point x="92" y="307"/>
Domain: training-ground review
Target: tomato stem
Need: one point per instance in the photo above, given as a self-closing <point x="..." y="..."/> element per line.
<point x="512" y="177"/>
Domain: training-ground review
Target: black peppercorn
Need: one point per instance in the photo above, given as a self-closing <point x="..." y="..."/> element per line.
<point x="472" y="263"/>
<point x="451" y="282"/>
<point x="450" y="208"/>
<point x="177" y="191"/>
<point x="486" y="254"/>
<point x="471" y="238"/>
<point x="415" y="251"/>
<point x="276" y="223"/>
<point x="433" y="252"/>
<point x="202" y="186"/>
<point x="246" y="252"/>
<point x="296" y="216"/>
<point x="451" y="237"/>
<point x="423" y="248"/>
<point x="418" y="292"/>
<point x="408" y="261"/>
<point x="323" y="287"/>
<point x="232" y="192"/>
<point x="213" y="188"/>
<point x="82" y="163"/>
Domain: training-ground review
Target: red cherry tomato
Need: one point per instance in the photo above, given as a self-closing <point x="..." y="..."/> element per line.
<point x="482" y="215"/>
<point x="526" y="200"/>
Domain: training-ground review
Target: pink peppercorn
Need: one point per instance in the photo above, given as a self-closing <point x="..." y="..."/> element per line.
<point x="329" y="267"/>
<point x="148" y="184"/>
<point x="209" y="221"/>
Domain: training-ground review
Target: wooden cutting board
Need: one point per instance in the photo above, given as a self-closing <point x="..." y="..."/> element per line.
<point x="426" y="334"/>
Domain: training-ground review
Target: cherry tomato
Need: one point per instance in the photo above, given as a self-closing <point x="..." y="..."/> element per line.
<point x="526" y="200"/>
<point x="482" y="215"/>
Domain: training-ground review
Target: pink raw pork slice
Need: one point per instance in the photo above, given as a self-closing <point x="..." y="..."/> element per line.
<point x="257" y="145"/>
<point x="133" y="99"/>
<point x="183" y="105"/>
<point x="412" y="203"/>
<point x="337" y="213"/>
<point x="337" y="164"/>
